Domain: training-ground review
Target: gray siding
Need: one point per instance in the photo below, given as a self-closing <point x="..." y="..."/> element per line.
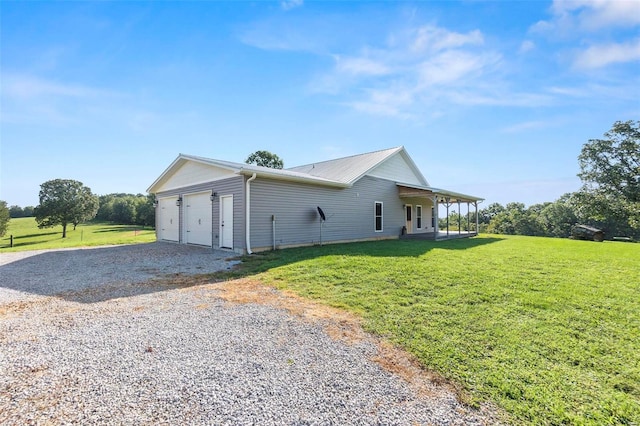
<point x="232" y="186"/>
<point x="350" y="212"/>
<point x="426" y="204"/>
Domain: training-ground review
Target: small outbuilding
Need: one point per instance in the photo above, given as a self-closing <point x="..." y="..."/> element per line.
<point x="585" y="232"/>
<point x="245" y="208"/>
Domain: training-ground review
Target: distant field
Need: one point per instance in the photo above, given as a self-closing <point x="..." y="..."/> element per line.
<point x="27" y="235"/>
<point x="548" y="329"/>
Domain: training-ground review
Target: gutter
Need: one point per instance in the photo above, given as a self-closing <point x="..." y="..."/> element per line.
<point x="247" y="220"/>
<point x="300" y="178"/>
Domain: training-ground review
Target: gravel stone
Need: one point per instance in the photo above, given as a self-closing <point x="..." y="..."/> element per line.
<point x="145" y="354"/>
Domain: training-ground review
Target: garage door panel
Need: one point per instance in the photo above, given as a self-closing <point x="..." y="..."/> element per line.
<point x="198" y="218"/>
<point x="168" y="220"/>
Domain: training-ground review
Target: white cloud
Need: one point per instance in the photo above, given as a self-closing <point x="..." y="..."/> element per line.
<point x="569" y="91"/>
<point x="30" y="99"/>
<point x="291" y="4"/>
<point x="595" y="14"/>
<point x="602" y="27"/>
<point x="453" y="66"/>
<point x="526" y="126"/>
<point x="598" y="56"/>
<point x="360" y="66"/>
<point x="579" y="16"/>
<point x="526" y="46"/>
<point x="432" y="38"/>
<point x="392" y="101"/>
<point x="27" y="87"/>
<point x="415" y="69"/>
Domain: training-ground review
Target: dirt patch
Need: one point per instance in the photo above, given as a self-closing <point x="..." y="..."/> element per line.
<point x="343" y="326"/>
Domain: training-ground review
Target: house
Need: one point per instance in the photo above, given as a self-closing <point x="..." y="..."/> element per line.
<point x="246" y="208"/>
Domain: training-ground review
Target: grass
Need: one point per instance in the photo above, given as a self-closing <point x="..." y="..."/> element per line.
<point x="27" y="235"/>
<point x="547" y="329"/>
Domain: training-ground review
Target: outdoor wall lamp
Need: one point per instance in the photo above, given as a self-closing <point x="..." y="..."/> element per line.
<point x="155" y="202"/>
<point x="179" y="201"/>
<point x="213" y="195"/>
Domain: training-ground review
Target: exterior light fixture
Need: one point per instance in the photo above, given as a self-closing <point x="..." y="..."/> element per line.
<point x="155" y="202"/>
<point x="213" y="195"/>
<point x="179" y="201"/>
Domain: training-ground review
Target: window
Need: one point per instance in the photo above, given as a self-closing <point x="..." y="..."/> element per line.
<point x="377" y="212"/>
<point x="419" y="217"/>
<point x="433" y="217"/>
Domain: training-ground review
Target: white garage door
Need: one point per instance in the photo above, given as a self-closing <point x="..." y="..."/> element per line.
<point x="167" y="225"/>
<point x="198" y="219"/>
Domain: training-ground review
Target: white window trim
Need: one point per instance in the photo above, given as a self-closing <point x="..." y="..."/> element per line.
<point x="419" y="222"/>
<point x="375" y="204"/>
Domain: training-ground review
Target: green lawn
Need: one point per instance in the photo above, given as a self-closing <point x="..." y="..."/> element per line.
<point x="27" y="235"/>
<point x="548" y="329"/>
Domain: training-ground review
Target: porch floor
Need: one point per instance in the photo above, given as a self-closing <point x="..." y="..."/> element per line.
<point x="439" y="236"/>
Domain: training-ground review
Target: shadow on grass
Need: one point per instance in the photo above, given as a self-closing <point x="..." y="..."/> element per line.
<point x="264" y="261"/>
<point x="41" y="234"/>
<point x="120" y="229"/>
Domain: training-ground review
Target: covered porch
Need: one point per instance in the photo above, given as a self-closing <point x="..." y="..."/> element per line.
<point x="435" y="197"/>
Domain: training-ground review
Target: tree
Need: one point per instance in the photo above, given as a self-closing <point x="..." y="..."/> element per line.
<point x="86" y="209"/>
<point x="610" y="174"/>
<point x="63" y="202"/>
<point x="557" y="218"/>
<point x="16" y="211"/>
<point x="146" y="211"/>
<point x="265" y="159"/>
<point x="4" y="218"/>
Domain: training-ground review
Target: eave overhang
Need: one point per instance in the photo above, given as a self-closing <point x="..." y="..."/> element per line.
<point x="416" y="191"/>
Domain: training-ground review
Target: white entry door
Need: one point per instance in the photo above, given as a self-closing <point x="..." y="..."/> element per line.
<point x="167" y="216"/>
<point x="226" y="221"/>
<point x="197" y="211"/>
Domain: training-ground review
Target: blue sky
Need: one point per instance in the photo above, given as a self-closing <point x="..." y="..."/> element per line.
<point x="493" y="99"/>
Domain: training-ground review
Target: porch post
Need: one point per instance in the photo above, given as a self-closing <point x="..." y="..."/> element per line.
<point x="459" y="219"/>
<point x="435" y="215"/>
<point x="468" y="219"/>
<point x="447" y="199"/>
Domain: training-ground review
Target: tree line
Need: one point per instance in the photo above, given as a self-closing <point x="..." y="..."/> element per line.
<point x="127" y="209"/>
<point x="68" y="202"/>
<point x="609" y="198"/>
<point x="17" y="211"/>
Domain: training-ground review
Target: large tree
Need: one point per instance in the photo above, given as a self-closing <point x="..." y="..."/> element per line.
<point x="265" y="159"/>
<point x="610" y="173"/>
<point x="4" y="218"/>
<point x="63" y="202"/>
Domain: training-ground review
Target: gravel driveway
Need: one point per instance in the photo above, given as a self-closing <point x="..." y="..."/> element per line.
<point x="101" y="336"/>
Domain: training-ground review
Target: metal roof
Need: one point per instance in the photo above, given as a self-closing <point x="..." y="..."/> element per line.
<point x="347" y="169"/>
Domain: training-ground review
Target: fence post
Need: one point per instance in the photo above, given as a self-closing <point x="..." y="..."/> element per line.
<point x="11" y="239"/>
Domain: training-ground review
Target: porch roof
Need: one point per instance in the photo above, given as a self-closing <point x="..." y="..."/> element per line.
<point x="408" y="191"/>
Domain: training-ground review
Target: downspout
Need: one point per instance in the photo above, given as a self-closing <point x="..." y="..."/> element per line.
<point x="247" y="220"/>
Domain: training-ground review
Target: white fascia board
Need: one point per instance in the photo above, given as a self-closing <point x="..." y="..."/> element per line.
<point x="439" y="191"/>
